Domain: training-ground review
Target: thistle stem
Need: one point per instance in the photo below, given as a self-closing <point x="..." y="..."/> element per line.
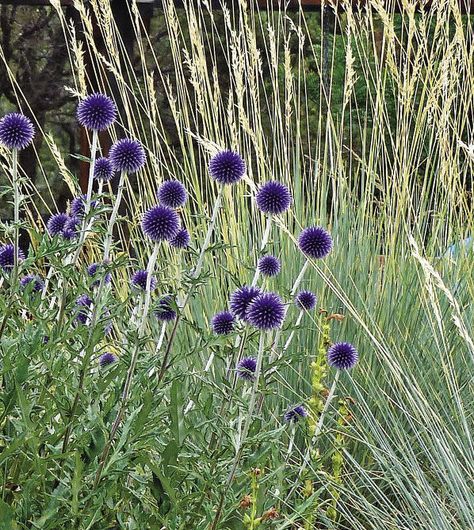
<point x="113" y="216"/>
<point x="265" y="238"/>
<point x="16" y="213"/>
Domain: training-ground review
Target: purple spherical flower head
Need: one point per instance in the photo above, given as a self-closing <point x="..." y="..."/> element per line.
<point x="139" y="279"/>
<point x="266" y="311"/>
<point x="172" y="194"/>
<point x="106" y="359"/>
<point x="306" y="300"/>
<point x="56" y="223"/>
<point x="223" y="323"/>
<point x="273" y="198"/>
<point x="127" y="155"/>
<point x="36" y="282"/>
<point x="7" y="256"/>
<point x="342" y="356"/>
<point x="103" y="169"/>
<point x="164" y="309"/>
<point x="227" y="167"/>
<point x="94" y="270"/>
<point x="160" y="222"/>
<point x="83" y="304"/>
<point x="269" y="265"/>
<point x="246" y="368"/>
<point x="315" y="242"/>
<point x="240" y="300"/>
<point x="78" y="206"/>
<point x="96" y="112"/>
<point x="71" y="227"/>
<point x="294" y="414"/>
<point x="16" y="131"/>
<point x="181" y="239"/>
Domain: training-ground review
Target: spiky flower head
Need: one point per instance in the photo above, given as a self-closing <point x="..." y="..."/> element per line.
<point x="266" y="311"/>
<point x="139" y="279"/>
<point x="342" y="356"/>
<point x="246" y="368"/>
<point x="94" y="270"/>
<point x="103" y="169"/>
<point x="223" y="323"/>
<point x="273" y="198"/>
<point x="96" y="112"/>
<point x="83" y="303"/>
<point x="78" y="206"/>
<point x="37" y="284"/>
<point x="181" y="239"/>
<point x="240" y="300"/>
<point x="172" y="193"/>
<point x="227" y="167"/>
<point x="7" y="256"/>
<point x="127" y="155"/>
<point x="71" y="227"/>
<point x="160" y="222"/>
<point x="306" y="300"/>
<point x="56" y="223"/>
<point x="269" y="266"/>
<point x="16" y="131"/>
<point x="164" y="310"/>
<point x="294" y="414"/>
<point x="107" y="359"/>
<point x="315" y="242"/>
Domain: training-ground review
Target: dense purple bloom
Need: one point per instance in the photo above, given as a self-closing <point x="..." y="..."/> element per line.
<point x="106" y="359"/>
<point x="181" y="239"/>
<point x="246" y="368"/>
<point x="222" y="323"/>
<point x="16" y="131"/>
<point x="7" y="256"/>
<point x="127" y="155"/>
<point x="103" y="169"/>
<point x="139" y="279"/>
<point x="315" y="242"/>
<point x="96" y="112"/>
<point x="94" y="271"/>
<point x="269" y="265"/>
<point x="164" y="309"/>
<point x="227" y="167"/>
<point x="56" y="223"/>
<point x="240" y="300"/>
<point x="273" y="198"/>
<point x="342" y="355"/>
<point x="71" y="226"/>
<point x="78" y="206"/>
<point x="36" y="281"/>
<point x="83" y="304"/>
<point x="172" y="194"/>
<point x="306" y="300"/>
<point x="266" y="311"/>
<point x="294" y="414"/>
<point x="160" y="222"/>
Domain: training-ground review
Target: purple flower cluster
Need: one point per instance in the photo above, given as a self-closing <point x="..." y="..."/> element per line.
<point x="164" y="309"/>
<point x="139" y="280"/>
<point x="269" y="266"/>
<point x="160" y="223"/>
<point x="266" y="311"/>
<point x="35" y="281"/>
<point x="127" y="155"/>
<point x="306" y="300"/>
<point x="103" y="169"/>
<point x="16" y="131"/>
<point x="181" y="239"/>
<point x="172" y="194"/>
<point x="273" y="198"/>
<point x="106" y="359"/>
<point x="315" y="242"/>
<point x="7" y="256"/>
<point x="94" y="270"/>
<point x="246" y="368"/>
<point x="241" y="298"/>
<point x="96" y="112"/>
<point x="223" y="323"/>
<point x="227" y="167"/>
<point x="294" y="414"/>
<point x="342" y="356"/>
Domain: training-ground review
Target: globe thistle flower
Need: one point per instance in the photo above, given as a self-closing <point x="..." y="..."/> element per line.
<point x="223" y="323"/>
<point x="164" y="309"/>
<point x="127" y="155"/>
<point x="139" y="279"/>
<point x="92" y="271"/>
<point x="227" y="167"/>
<point x="83" y="304"/>
<point x="294" y="414"/>
<point x="36" y="282"/>
<point x="181" y="239"/>
<point x="342" y="356"/>
<point x="306" y="300"/>
<point x="315" y="242"/>
<point x="70" y="229"/>
<point x="16" y="131"/>
<point x="7" y="256"/>
<point x="269" y="266"/>
<point x="107" y="359"/>
<point x="246" y="368"/>
<point x="240" y="300"/>
<point x="96" y="112"/>
<point x="266" y="311"/>
<point x="78" y="206"/>
<point x="172" y="194"/>
<point x="103" y="169"/>
<point x="56" y="224"/>
<point x="160" y="222"/>
<point x="273" y="198"/>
